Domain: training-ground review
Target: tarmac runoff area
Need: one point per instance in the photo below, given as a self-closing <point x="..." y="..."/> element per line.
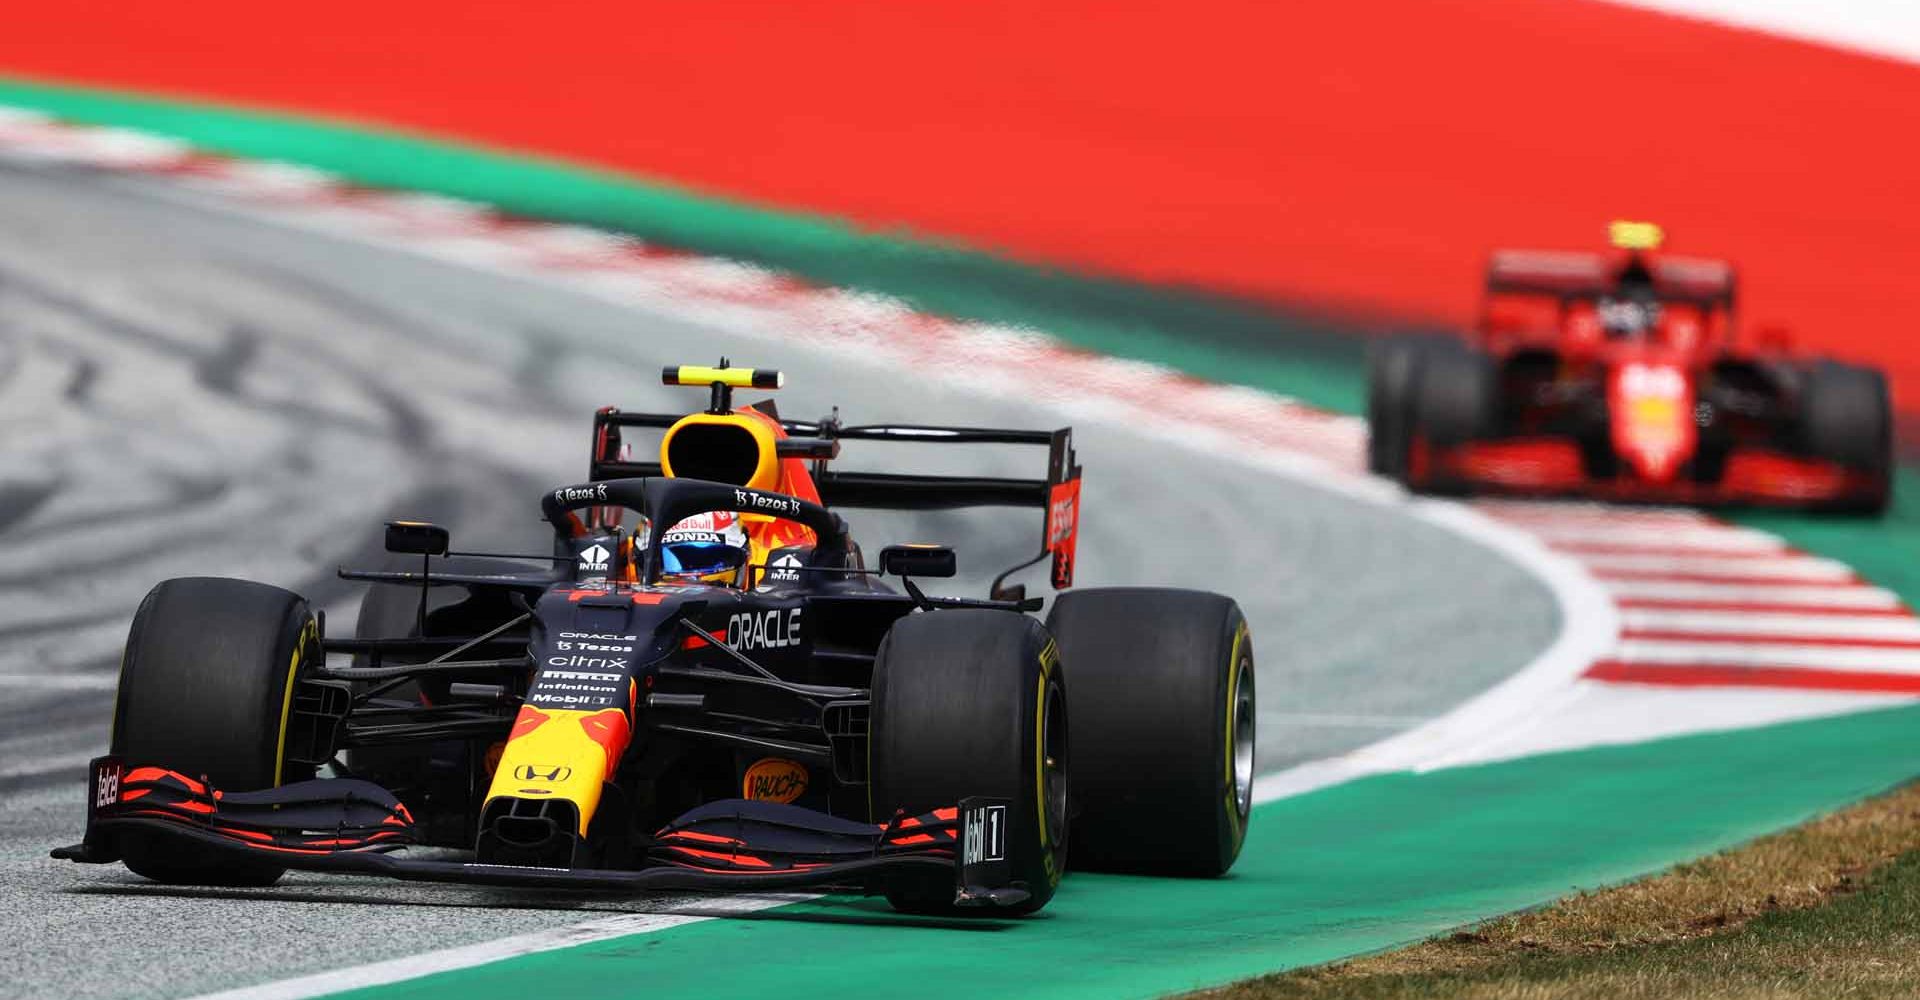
<point x="188" y="387"/>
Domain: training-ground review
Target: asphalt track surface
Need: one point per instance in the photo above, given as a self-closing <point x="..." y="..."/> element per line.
<point x="189" y="391"/>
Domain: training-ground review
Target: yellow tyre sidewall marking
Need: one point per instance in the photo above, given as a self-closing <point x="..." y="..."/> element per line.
<point x="1048" y="657"/>
<point x="308" y="633"/>
<point x="1233" y="725"/>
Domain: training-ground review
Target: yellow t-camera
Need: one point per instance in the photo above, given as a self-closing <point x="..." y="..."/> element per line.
<point x="735" y="378"/>
<point x="1636" y="235"/>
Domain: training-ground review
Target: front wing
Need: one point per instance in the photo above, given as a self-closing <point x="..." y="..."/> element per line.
<point x="1552" y="467"/>
<point x="348" y="826"/>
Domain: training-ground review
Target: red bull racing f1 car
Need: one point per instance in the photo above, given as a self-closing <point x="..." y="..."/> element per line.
<point x="1619" y="376"/>
<point x="704" y="687"/>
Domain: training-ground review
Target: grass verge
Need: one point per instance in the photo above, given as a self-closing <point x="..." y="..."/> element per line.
<point x="1828" y="909"/>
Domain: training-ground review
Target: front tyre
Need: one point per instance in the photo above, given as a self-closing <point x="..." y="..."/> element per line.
<point x="1848" y="419"/>
<point x="1164" y="719"/>
<point x="972" y="702"/>
<point x="206" y="685"/>
<point x="1393" y="368"/>
<point x="1456" y="401"/>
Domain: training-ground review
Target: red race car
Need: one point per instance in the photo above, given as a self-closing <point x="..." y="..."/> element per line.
<point x="1618" y="375"/>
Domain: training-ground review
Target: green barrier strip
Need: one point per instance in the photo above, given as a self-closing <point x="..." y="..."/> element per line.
<point x="1211" y="337"/>
<point x="1346" y="870"/>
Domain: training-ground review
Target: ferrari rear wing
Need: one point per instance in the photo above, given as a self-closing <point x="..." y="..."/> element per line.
<point x="1585" y="275"/>
<point x="1058" y="494"/>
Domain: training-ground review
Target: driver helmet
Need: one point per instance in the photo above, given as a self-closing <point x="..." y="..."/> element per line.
<point x="1628" y="318"/>
<point x="709" y="548"/>
<point x="1634" y="309"/>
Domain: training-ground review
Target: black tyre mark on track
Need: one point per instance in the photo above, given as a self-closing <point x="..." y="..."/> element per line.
<point x="18" y="501"/>
<point x="73" y="775"/>
<point x="48" y="297"/>
<point x="28" y="630"/>
<point x="79" y="390"/>
<point x="409" y="427"/>
<point x="538" y="364"/>
<point x="9" y="351"/>
<point x="220" y="371"/>
<point x="356" y="309"/>
<point x="57" y="713"/>
<point x="186" y="492"/>
<point x="51" y="709"/>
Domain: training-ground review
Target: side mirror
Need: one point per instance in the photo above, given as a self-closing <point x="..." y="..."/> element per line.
<point x="918" y="559"/>
<point x="417" y="538"/>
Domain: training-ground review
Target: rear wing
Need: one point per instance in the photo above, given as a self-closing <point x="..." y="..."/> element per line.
<point x="1587" y="275"/>
<point x="819" y="441"/>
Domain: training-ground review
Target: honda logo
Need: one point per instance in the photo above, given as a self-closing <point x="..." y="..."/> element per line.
<point x="543" y="772"/>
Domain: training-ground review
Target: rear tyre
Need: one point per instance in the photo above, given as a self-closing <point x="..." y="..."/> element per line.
<point x="1848" y="418"/>
<point x="1455" y="402"/>
<point x="1164" y="725"/>
<point x="972" y="702"/>
<point x="205" y="687"/>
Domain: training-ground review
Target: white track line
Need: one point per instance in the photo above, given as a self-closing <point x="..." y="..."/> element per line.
<point x="1775" y="608"/>
<point x="1729" y="593"/>
<point x="1574" y="514"/>
<point x="1767" y="654"/>
<point x="1724" y="539"/>
<point x="1335" y="719"/>
<point x="47" y="765"/>
<point x="1760" y="625"/>
<point x="497" y="950"/>
<point x="1799" y="568"/>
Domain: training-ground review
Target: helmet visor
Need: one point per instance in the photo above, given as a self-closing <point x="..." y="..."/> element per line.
<point x="700" y="558"/>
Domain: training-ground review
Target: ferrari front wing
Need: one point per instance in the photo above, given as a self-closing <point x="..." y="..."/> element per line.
<point x="1549" y="466"/>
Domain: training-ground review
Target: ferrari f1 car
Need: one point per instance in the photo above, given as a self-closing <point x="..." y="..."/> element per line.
<point x="1619" y="376"/>
<point x="643" y="710"/>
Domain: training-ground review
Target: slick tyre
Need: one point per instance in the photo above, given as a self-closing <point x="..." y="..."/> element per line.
<point x="971" y="702"/>
<point x="1455" y="402"/>
<point x="205" y="689"/>
<point x="1393" y="366"/>
<point x="1848" y="418"/>
<point x="1163" y="728"/>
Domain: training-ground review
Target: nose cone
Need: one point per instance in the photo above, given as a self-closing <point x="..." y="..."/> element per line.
<point x="1651" y="406"/>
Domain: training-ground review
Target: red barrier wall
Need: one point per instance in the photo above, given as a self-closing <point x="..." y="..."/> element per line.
<point x="1362" y="154"/>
